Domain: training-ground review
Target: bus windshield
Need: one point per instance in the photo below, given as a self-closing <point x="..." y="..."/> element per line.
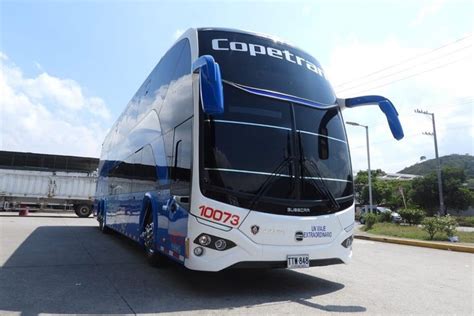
<point x="272" y="155"/>
<point x="251" y="141"/>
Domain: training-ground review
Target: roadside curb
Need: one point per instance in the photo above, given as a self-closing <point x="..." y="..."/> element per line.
<point x="417" y="243"/>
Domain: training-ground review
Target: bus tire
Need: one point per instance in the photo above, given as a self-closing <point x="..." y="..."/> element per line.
<point x="104" y="229"/>
<point x="83" y="210"/>
<point x="152" y="255"/>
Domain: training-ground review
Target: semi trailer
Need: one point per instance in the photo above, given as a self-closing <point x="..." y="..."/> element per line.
<point x="40" y="182"/>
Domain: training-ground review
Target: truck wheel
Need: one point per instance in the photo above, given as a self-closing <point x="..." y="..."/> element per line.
<point x="153" y="257"/>
<point x="83" y="210"/>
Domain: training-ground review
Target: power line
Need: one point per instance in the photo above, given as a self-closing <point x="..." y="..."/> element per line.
<point x="382" y="141"/>
<point x="363" y="83"/>
<point x="406" y="60"/>
<point x="461" y="101"/>
<point x="410" y="135"/>
<point x="413" y="75"/>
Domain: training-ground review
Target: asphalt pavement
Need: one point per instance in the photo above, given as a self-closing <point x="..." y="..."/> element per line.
<point x="64" y="265"/>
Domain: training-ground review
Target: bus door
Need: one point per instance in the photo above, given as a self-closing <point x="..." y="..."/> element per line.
<point x="178" y="204"/>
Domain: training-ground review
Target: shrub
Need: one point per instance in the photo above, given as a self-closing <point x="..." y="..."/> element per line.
<point x="370" y="219"/>
<point x="412" y="216"/>
<point x="431" y="226"/>
<point x="465" y="221"/>
<point x="448" y="224"/>
<point x="385" y="217"/>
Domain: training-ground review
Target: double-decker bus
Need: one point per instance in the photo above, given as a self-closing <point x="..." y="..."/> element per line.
<point x="233" y="153"/>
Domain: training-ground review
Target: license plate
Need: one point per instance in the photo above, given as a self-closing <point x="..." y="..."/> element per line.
<point x="297" y="261"/>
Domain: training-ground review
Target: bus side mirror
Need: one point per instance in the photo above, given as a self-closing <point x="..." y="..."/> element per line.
<point x="385" y="105"/>
<point x="210" y="82"/>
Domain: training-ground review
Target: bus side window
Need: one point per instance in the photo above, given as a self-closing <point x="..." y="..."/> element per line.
<point x="128" y="172"/>
<point x="168" y="143"/>
<point x="148" y="169"/>
<point x="111" y="181"/>
<point x="137" y="160"/>
<point x="115" y="179"/>
<point x="161" y="78"/>
<point x="178" y="104"/>
<point x="121" y="181"/>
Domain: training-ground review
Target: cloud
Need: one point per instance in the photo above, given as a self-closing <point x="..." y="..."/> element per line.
<point x="429" y="10"/>
<point x="438" y="82"/>
<point x="48" y="114"/>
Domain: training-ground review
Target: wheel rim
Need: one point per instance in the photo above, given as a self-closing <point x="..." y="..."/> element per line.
<point x="84" y="211"/>
<point x="148" y="238"/>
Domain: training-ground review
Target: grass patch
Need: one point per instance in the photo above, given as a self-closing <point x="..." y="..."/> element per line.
<point x="415" y="232"/>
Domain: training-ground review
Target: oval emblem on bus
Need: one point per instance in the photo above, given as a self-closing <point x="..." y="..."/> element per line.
<point x="299" y="236"/>
<point x="254" y="229"/>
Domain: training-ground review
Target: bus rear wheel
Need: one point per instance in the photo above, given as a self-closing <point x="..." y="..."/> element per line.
<point x="83" y="210"/>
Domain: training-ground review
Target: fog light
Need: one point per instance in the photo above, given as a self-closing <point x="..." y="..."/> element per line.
<point x="220" y="244"/>
<point x="347" y="242"/>
<point x="198" y="251"/>
<point x="205" y="240"/>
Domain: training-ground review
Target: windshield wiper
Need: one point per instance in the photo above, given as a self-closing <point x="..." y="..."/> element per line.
<point x="269" y="180"/>
<point x="323" y="186"/>
<point x="272" y="177"/>
<point x="320" y="185"/>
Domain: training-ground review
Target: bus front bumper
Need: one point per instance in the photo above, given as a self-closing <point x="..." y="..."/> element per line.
<point x="248" y="254"/>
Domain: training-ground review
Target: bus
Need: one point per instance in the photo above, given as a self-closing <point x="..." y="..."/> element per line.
<point x="232" y="154"/>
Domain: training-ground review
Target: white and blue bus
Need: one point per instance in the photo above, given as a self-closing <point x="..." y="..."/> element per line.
<point x="233" y="153"/>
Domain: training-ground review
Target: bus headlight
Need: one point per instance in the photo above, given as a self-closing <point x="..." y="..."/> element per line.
<point x="220" y="244"/>
<point x="204" y="240"/>
<point x="214" y="242"/>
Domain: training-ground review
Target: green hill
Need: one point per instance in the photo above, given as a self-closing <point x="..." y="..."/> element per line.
<point x="465" y="162"/>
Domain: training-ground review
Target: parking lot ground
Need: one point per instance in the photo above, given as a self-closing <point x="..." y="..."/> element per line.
<point x="64" y="265"/>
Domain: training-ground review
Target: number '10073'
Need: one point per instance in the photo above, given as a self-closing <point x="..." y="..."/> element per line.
<point x="219" y="216"/>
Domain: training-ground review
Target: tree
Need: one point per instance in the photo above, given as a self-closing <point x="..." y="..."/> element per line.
<point x="361" y="187"/>
<point x="456" y="197"/>
<point x="400" y="193"/>
<point x="424" y="193"/>
<point x="360" y="182"/>
<point x="383" y="192"/>
<point x="460" y="199"/>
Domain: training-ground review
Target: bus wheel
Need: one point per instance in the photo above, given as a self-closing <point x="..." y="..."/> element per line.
<point x="152" y="255"/>
<point x="104" y="229"/>
<point x="83" y="210"/>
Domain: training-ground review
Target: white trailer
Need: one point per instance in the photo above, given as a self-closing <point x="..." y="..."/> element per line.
<point x="47" y="190"/>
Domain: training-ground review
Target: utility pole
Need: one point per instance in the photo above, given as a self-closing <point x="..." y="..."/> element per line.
<point x="369" y="172"/>
<point x="442" y="208"/>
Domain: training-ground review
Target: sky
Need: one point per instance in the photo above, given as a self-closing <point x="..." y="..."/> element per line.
<point x="68" y="68"/>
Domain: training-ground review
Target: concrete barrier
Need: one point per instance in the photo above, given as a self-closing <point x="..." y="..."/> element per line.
<point x="418" y="243"/>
